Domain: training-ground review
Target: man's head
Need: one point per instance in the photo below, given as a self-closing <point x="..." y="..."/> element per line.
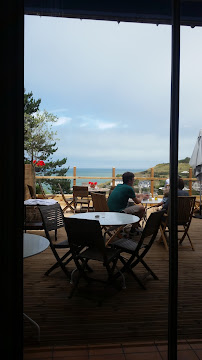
<point x="128" y="178"/>
<point x="180" y="184"/>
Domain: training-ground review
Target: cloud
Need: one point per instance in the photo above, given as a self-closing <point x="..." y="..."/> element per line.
<point x="104" y="125"/>
<point x="62" y="120"/>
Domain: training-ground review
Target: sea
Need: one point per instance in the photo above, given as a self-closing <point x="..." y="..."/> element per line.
<point x="102" y="172"/>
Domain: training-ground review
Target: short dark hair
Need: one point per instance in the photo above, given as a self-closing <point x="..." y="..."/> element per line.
<point x="180" y="183"/>
<point x="127" y="176"/>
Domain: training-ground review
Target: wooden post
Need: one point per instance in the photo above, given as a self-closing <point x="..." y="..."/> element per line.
<point x="113" y="175"/>
<point x="74" y="174"/>
<point x="190" y="182"/>
<point x="29" y="178"/>
<point x="152" y="182"/>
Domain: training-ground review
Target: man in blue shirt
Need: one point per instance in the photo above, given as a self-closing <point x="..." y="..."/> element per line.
<point x="118" y="199"/>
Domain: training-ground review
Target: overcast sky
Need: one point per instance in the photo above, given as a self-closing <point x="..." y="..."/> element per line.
<point x="109" y="85"/>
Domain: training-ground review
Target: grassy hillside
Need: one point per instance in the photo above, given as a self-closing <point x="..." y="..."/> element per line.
<point x="162" y="170"/>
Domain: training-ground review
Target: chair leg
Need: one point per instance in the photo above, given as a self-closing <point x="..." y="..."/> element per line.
<point x="163" y="237"/>
<point x="61" y="264"/>
<point x="148" y="269"/>
<point x="57" y="264"/>
<point x="127" y="268"/>
<point x="182" y="239"/>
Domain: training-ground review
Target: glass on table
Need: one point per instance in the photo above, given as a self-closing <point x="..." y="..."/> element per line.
<point x="156" y="195"/>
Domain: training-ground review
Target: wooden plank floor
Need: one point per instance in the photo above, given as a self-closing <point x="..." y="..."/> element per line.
<point x="126" y="315"/>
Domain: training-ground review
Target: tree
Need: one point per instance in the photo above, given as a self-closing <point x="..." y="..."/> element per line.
<point x="30" y="105"/>
<point x="40" y="144"/>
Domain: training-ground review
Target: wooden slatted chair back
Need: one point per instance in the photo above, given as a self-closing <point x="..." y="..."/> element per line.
<point x="99" y="202"/>
<point x="80" y="191"/>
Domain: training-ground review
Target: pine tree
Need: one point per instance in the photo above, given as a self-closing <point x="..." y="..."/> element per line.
<point x="40" y="144"/>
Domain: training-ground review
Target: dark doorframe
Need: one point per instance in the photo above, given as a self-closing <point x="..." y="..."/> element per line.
<point x="12" y="178"/>
<point x="174" y="131"/>
<point x="13" y="169"/>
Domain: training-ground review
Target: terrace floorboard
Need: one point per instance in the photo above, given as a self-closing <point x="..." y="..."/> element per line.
<point x="125" y="316"/>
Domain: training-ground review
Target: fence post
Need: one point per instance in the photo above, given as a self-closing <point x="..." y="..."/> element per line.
<point x="190" y="182"/>
<point x="113" y="175"/>
<point x="74" y="174"/>
<point x="152" y="182"/>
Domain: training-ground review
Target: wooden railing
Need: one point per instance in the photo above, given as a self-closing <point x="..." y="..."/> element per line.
<point x="113" y="178"/>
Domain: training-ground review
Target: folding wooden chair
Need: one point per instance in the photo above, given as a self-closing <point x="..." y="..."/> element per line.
<point x="185" y="213"/>
<point x="68" y="201"/>
<point x="44" y="195"/>
<point x="81" y="197"/>
<point x="87" y="235"/>
<point x="53" y="219"/>
<point x="100" y="204"/>
<point x="42" y="191"/>
<point x="31" y="191"/>
<point x="138" y="250"/>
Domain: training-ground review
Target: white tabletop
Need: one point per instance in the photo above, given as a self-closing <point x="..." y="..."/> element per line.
<point x="40" y="202"/>
<point x="152" y="201"/>
<point x="34" y="244"/>
<point x="108" y="218"/>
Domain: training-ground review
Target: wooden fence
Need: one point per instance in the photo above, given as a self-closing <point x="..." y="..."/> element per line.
<point x="113" y="178"/>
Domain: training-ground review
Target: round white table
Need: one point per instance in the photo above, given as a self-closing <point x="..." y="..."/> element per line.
<point x="34" y="202"/>
<point x="109" y="219"/>
<point x="33" y="245"/>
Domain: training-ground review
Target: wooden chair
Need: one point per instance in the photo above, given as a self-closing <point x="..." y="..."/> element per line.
<point x="81" y="197"/>
<point x="87" y="235"/>
<point x="138" y="250"/>
<point x="31" y="191"/>
<point x="53" y="219"/>
<point x="197" y="207"/>
<point x="185" y="213"/>
<point x="42" y="191"/>
<point x="68" y="201"/>
<point x="44" y="195"/>
<point x="99" y="202"/>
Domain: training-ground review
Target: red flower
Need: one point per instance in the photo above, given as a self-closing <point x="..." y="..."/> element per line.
<point x="95" y="183"/>
<point x="40" y="163"/>
<point x="34" y="161"/>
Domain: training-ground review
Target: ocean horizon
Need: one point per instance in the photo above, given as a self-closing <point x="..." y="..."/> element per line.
<point x="98" y="172"/>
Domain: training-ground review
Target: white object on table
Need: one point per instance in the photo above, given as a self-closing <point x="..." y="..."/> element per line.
<point x="33" y="245"/>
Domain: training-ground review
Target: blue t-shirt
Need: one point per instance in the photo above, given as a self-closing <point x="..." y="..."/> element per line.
<point x="118" y="199"/>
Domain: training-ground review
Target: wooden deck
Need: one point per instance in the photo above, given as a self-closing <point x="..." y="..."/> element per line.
<point x="127" y="315"/>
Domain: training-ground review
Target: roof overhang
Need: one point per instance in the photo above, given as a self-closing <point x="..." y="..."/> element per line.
<point x="141" y="11"/>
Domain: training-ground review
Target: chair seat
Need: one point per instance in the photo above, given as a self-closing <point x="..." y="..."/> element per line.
<point x="34" y="226"/>
<point x="83" y="201"/>
<point x="94" y="254"/>
<point x="62" y="244"/>
<point x="125" y="244"/>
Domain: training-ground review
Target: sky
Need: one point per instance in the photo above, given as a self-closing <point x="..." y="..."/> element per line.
<point x="109" y="86"/>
